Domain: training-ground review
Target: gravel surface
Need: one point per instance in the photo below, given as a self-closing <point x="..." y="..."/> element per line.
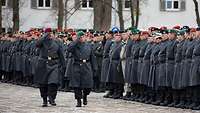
<point x="19" y="99"/>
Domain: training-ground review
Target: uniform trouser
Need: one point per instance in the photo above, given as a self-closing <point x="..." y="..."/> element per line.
<point x="189" y="94"/>
<point x="167" y="93"/>
<point x="110" y="88"/>
<point x="80" y="92"/>
<point x="196" y="94"/>
<point x="118" y="88"/>
<point x="127" y="86"/>
<point x="96" y="83"/>
<point x="177" y="94"/>
<point x="18" y="77"/>
<point x="1" y="75"/>
<point x="48" y="90"/>
<point x="67" y="84"/>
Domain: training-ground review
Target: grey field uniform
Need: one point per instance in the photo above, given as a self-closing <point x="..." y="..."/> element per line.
<point x="83" y="67"/>
<point x="48" y="73"/>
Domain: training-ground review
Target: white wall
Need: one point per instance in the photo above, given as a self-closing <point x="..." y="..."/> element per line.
<point x="7" y="18"/>
<point x="150" y="16"/>
<point x="31" y="18"/>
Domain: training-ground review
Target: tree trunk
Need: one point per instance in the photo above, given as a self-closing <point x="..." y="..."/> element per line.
<point x="132" y="13"/>
<point x="98" y="6"/>
<point x="102" y="14"/>
<point x="197" y="12"/>
<point x="66" y="13"/>
<point x="137" y="12"/>
<point x="120" y="14"/>
<point x="15" y="15"/>
<point x="106" y="15"/>
<point x="60" y="14"/>
<point x="0" y="16"/>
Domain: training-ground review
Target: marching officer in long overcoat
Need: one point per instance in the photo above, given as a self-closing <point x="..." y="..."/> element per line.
<point x="48" y="73"/>
<point x="83" y="68"/>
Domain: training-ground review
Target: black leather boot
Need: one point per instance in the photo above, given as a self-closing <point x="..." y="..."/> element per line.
<point x="175" y="102"/>
<point x="108" y="95"/>
<point x="78" y="103"/>
<point x="127" y="96"/>
<point x="158" y="100"/>
<point x="181" y="104"/>
<point x="117" y="95"/>
<point x="194" y="104"/>
<point x="141" y="99"/>
<point x="187" y="104"/>
<point x="85" y="100"/>
<point x="195" y="99"/>
<point x="196" y="107"/>
<point x="149" y="101"/>
<point x="165" y="103"/>
<point x="52" y="101"/>
<point x="45" y="104"/>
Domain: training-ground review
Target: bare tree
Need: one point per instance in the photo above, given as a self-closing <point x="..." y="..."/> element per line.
<point x="120" y="14"/>
<point x="98" y="13"/>
<point x="69" y="11"/>
<point x="102" y="14"/>
<point x="60" y="14"/>
<point x="137" y="12"/>
<point x="66" y="13"/>
<point x="197" y="12"/>
<point x="106" y="15"/>
<point x="132" y="13"/>
<point x="15" y="15"/>
<point x="0" y="16"/>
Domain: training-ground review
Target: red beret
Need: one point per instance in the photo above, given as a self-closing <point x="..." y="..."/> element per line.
<point x="193" y="30"/>
<point x="47" y="30"/>
<point x="163" y="28"/>
<point x="73" y="33"/>
<point x="153" y="28"/>
<point x="144" y="33"/>
<point x="176" y="27"/>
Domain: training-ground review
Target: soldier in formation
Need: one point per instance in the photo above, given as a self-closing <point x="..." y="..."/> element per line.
<point x="159" y="66"/>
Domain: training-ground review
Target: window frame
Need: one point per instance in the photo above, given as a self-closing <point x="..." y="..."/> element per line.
<point x="124" y="4"/>
<point x="6" y="4"/>
<point x="88" y="5"/>
<point x="173" y="9"/>
<point x="44" y="5"/>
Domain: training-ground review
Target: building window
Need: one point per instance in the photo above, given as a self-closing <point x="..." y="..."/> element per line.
<point x="4" y="3"/>
<point x="172" y="5"/>
<point x="90" y="3"/>
<point x="176" y="5"/>
<point x="3" y="30"/>
<point x="127" y="4"/>
<point x="47" y="3"/>
<point x="86" y="4"/>
<point x="44" y="3"/>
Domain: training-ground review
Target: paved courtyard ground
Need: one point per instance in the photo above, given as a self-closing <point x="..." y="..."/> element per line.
<point x="18" y="99"/>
